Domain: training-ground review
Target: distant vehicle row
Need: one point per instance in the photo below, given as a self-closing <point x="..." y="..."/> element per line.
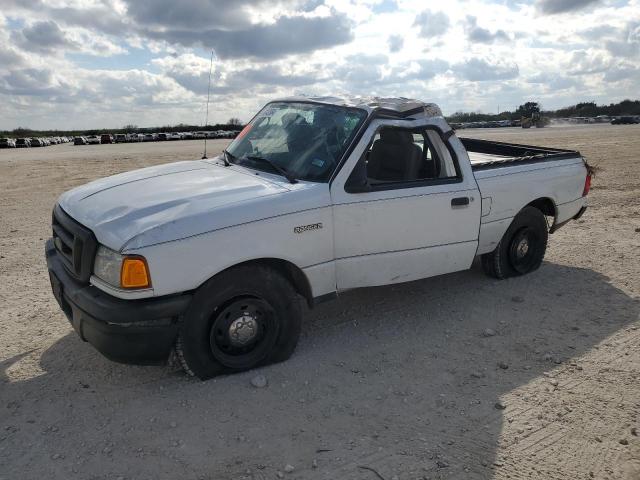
<point x="151" y="137"/>
<point x="27" y="142"/>
<point x="32" y="142"/>
<point x="614" y="120"/>
<point x="625" y="119"/>
<point x="486" y="124"/>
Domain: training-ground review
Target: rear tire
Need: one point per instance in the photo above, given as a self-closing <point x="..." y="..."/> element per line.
<point x="522" y="247"/>
<point x="243" y="318"/>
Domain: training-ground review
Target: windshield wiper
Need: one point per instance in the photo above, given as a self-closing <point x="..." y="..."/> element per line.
<point x="226" y="156"/>
<point x="275" y="166"/>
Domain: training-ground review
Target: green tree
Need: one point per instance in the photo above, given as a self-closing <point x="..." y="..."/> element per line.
<point x="529" y="109"/>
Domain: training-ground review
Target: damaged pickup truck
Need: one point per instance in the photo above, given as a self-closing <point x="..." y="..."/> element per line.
<point x="211" y="259"/>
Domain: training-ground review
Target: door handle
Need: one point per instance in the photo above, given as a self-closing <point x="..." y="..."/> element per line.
<point x="460" y="202"/>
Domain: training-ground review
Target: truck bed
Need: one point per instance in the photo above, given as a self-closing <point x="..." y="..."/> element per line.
<point x="486" y="154"/>
<point x="510" y="176"/>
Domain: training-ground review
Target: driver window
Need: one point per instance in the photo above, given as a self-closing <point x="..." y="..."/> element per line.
<point x="397" y="155"/>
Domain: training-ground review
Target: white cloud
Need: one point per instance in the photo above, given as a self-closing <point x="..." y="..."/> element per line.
<point x="395" y="43"/>
<point x="551" y="7"/>
<point x="432" y="24"/>
<point x="482" y="70"/>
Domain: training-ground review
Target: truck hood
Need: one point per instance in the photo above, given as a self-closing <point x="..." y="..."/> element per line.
<point x="168" y="202"/>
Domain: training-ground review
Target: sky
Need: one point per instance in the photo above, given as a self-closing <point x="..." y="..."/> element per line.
<point x="81" y="64"/>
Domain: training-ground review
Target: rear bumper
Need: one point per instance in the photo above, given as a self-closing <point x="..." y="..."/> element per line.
<point x="140" y="332"/>
<point x="556" y="226"/>
<point x="580" y="213"/>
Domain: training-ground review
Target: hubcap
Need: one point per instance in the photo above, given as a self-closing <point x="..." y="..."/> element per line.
<point x="522" y="251"/>
<point x="243" y="330"/>
<point x="523" y="247"/>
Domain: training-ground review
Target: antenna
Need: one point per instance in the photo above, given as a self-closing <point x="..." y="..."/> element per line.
<point x="206" y="118"/>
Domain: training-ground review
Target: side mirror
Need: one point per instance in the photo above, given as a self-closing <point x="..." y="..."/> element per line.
<point x="358" y="181"/>
<point x="362" y="188"/>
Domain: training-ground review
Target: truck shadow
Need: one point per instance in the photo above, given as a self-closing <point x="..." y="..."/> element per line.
<point x="402" y="379"/>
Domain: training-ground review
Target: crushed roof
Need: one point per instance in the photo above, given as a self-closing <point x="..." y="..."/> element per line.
<point x="371" y="104"/>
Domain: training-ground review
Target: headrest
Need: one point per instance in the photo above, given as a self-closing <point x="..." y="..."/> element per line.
<point x="392" y="135"/>
<point x="292" y="118"/>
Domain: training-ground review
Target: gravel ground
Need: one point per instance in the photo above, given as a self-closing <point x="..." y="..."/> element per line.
<point x="459" y="376"/>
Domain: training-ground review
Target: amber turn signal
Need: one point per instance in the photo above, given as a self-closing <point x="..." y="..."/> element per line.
<point x="134" y="273"/>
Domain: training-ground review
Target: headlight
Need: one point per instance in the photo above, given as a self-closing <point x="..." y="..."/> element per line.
<point x="107" y="266"/>
<point x="121" y="271"/>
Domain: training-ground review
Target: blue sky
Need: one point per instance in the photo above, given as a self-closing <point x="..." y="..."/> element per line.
<point x="107" y="63"/>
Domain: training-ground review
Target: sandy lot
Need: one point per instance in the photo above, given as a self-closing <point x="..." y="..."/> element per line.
<point x="397" y="379"/>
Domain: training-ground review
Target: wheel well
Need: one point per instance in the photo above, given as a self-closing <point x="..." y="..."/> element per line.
<point x="290" y="271"/>
<point x="545" y="205"/>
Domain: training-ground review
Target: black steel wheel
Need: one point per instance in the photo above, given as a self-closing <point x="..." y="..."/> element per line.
<point x="523" y="251"/>
<point x="243" y="318"/>
<point x="243" y="333"/>
<point x="522" y="247"/>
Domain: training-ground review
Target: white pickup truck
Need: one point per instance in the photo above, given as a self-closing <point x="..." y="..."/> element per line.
<point x="211" y="258"/>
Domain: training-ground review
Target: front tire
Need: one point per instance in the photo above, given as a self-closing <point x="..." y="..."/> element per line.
<point x="243" y="318"/>
<point x="522" y="247"/>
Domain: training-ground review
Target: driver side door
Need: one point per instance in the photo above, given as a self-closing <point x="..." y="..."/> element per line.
<point x="415" y="212"/>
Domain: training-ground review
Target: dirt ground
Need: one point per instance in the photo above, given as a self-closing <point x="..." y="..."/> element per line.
<point x="393" y="382"/>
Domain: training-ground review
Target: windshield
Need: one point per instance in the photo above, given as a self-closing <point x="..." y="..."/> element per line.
<point x="306" y="140"/>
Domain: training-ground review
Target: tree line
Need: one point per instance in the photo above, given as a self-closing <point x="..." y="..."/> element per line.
<point x="583" y="109"/>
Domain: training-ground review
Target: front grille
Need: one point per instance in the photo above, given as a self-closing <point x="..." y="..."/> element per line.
<point x="76" y="244"/>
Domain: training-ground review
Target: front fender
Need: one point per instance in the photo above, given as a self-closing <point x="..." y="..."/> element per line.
<point x="186" y="264"/>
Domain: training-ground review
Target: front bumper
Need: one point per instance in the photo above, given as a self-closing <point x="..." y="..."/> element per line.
<point x="140" y="332"/>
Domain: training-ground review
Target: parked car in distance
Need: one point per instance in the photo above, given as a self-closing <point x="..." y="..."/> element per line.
<point x="93" y="140"/>
<point x="106" y="138"/>
<point x="134" y="137"/>
<point x="79" y="141"/>
<point x="120" y="138"/>
<point x="175" y="136"/>
<point x="227" y="134"/>
<point x="149" y="137"/>
<point x="37" y="142"/>
<point x="625" y="120"/>
<point x="7" y="143"/>
<point x="23" y="143"/>
<point x="394" y="197"/>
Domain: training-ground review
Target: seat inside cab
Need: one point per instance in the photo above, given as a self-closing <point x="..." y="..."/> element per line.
<point x="398" y="155"/>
